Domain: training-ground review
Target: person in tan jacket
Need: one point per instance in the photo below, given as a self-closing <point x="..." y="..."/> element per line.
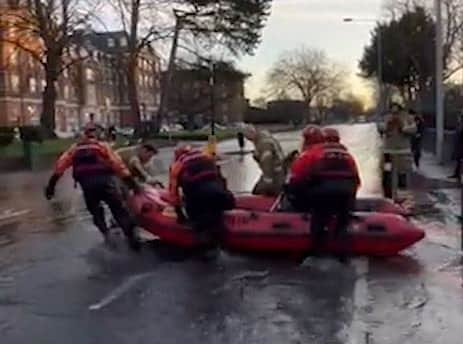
<point x="270" y="157"/>
<point x="397" y="129"/>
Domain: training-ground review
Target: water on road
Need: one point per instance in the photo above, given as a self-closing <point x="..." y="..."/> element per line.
<point x="59" y="283"/>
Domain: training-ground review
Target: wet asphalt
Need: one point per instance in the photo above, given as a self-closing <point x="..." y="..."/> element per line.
<point x="60" y="284"/>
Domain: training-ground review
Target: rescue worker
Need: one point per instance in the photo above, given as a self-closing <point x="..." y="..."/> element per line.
<point x="205" y="194"/>
<point x="397" y="129"/>
<point x="95" y="167"/>
<point x="297" y="196"/>
<point x="328" y="179"/>
<point x="144" y="165"/>
<point x="416" y="141"/>
<point x="270" y="157"/>
<point x="458" y="150"/>
<point x="331" y="135"/>
<point x="311" y="135"/>
<point x="241" y="142"/>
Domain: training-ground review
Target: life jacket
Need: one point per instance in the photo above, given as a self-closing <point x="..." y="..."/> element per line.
<point x="334" y="162"/>
<point x="197" y="167"/>
<point x="88" y="162"/>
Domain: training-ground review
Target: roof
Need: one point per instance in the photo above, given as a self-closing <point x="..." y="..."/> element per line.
<point x="203" y="73"/>
<point x="109" y="42"/>
<point x="101" y="41"/>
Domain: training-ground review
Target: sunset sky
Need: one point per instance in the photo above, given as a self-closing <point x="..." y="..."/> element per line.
<point x="318" y="24"/>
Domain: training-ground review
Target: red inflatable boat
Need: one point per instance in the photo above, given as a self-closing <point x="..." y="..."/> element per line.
<point x="263" y="231"/>
<point x="365" y="204"/>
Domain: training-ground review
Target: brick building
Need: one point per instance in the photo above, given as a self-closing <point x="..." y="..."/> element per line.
<point x="112" y="48"/>
<point x="97" y="84"/>
<point x="190" y="94"/>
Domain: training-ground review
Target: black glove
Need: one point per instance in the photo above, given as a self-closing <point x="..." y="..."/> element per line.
<point x="132" y="184"/>
<point x="181" y="218"/>
<point x="50" y="188"/>
<point x="159" y="185"/>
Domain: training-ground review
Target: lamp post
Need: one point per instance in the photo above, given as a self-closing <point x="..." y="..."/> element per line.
<point x="439" y="83"/>
<point x="379" y="56"/>
<point x="212" y="142"/>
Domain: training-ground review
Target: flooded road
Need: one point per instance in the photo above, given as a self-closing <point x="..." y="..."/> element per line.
<point x="59" y="283"/>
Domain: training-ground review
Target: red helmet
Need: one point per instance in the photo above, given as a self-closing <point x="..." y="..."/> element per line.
<point x="182" y="150"/>
<point x="331" y="135"/>
<point x="312" y="135"/>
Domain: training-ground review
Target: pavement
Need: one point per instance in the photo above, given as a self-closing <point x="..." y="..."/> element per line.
<point x="60" y="284"/>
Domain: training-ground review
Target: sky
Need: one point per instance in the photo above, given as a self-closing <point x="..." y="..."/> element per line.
<point x="318" y="24"/>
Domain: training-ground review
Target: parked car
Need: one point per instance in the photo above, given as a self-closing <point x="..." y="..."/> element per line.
<point x="125" y="131"/>
<point x="171" y="128"/>
<point x="217" y="126"/>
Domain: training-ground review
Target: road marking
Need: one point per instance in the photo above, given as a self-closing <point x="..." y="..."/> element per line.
<point x="9" y="216"/>
<point x="358" y="331"/>
<point x="118" y="292"/>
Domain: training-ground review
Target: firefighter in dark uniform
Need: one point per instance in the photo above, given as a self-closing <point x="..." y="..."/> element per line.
<point x="205" y="194"/>
<point x="328" y="173"/>
<point x="96" y="168"/>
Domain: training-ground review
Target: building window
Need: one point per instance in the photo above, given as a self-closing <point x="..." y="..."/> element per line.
<point x="31" y="61"/>
<point x="89" y="74"/>
<point x="123" y="41"/>
<point x="111" y="42"/>
<point x="15" y="83"/>
<point x="91" y="94"/>
<point x="33" y="85"/>
<point x="14" y="57"/>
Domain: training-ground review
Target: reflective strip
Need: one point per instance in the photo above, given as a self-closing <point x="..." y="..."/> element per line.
<point x="267" y="179"/>
<point x="335" y="150"/>
<point x="278" y="168"/>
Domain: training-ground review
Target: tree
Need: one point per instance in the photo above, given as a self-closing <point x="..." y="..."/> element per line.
<point x="45" y="29"/>
<point x="307" y="73"/>
<point x="139" y="20"/>
<point x="233" y="25"/>
<point x="260" y="102"/>
<point x="407" y="53"/>
<point x="348" y="106"/>
<point x="452" y="15"/>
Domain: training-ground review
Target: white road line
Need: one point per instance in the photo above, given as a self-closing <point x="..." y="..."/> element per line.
<point x="118" y="292"/>
<point x="8" y="217"/>
<point x="358" y="331"/>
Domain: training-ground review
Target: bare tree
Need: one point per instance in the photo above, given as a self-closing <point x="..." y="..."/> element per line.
<point x="142" y="23"/>
<point x="307" y="73"/>
<point x="45" y="29"/>
<point x="207" y="25"/>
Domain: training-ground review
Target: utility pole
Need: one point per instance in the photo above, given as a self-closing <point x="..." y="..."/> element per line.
<point x="439" y="83"/>
<point x="379" y="52"/>
<point x="212" y="142"/>
<point x="212" y="88"/>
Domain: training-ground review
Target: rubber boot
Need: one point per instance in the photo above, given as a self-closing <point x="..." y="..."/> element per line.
<point x="133" y="240"/>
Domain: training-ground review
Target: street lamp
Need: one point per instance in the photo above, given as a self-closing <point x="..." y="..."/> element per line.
<point x="212" y="142"/>
<point x="439" y="83"/>
<point x="379" y="55"/>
